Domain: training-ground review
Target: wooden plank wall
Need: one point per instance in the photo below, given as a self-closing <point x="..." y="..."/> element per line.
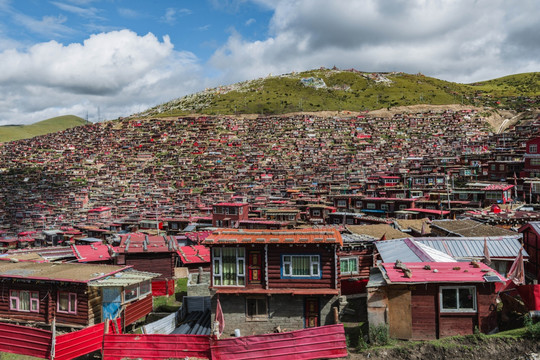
<point x="327" y="262"/>
<point x="94" y="305"/>
<point x="161" y="263"/>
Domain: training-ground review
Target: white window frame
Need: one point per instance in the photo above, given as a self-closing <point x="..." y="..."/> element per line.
<point x="217" y="262"/>
<point x="533" y="149"/>
<point x="456" y="288"/>
<point x="371" y="206"/>
<point x="342" y="203"/>
<point x="384" y="207"/>
<point x="287" y="266"/>
<point x="72" y="300"/>
<point x="316" y="212"/>
<point x="15" y="298"/>
<point x="128" y="288"/>
<point x="352" y="258"/>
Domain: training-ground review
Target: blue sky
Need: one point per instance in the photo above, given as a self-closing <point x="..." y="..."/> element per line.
<point x="122" y="56"/>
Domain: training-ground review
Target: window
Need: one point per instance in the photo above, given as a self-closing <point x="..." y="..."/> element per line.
<point x="458" y="299"/>
<point x="67" y="302"/>
<point x="145" y="287"/>
<point x="371" y="206"/>
<point x="256" y="309"/>
<point x="384" y="206"/>
<point x="23" y="300"/>
<point x="402" y="207"/>
<point x="359" y="203"/>
<point x="533" y="148"/>
<point x="300" y="266"/>
<point x="316" y="212"/>
<point x="349" y="266"/>
<point x="342" y="203"/>
<point x="131" y="292"/>
<point x="535" y="162"/>
<point x="463" y="196"/>
<point x="229" y="267"/>
<point x="493" y="167"/>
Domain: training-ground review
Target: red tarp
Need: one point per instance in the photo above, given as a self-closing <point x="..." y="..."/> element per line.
<point x="530" y="295"/>
<point x="323" y="342"/>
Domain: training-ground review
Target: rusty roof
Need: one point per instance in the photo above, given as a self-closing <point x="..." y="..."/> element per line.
<point x="299" y="236"/>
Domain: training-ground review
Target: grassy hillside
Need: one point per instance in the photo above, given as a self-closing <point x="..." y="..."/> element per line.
<point x="351" y="90"/>
<point x="17" y="132"/>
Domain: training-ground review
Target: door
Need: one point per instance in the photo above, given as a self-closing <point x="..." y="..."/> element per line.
<point x="311" y="309"/>
<point x="112" y="298"/>
<point x="399" y="313"/>
<point x="255" y="267"/>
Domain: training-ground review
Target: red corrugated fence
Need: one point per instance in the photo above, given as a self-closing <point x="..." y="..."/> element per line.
<point x="117" y="347"/>
<point x="74" y="344"/>
<point x="137" y="310"/>
<point x="24" y="340"/>
<point x="323" y="342"/>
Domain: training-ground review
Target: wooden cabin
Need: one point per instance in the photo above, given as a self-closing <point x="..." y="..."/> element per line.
<point x="150" y="254"/>
<point x="270" y="278"/>
<point x="36" y="293"/>
<point x="431" y="300"/>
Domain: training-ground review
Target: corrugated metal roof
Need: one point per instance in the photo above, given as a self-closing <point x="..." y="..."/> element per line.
<point x="473" y="247"/>
<point x="426" y="272"/>
<point x="125" y="278"/>
<point x="408" y="250"/>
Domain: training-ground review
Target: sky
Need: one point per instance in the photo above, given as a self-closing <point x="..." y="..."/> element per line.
<point x="103" y="59"/>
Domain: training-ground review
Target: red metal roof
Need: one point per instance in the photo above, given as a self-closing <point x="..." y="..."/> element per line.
<point x="499" y="187"/>
<point x="448" y="272"/>
<point x="91" y="253"/>
<point x="100" y="209"/>
<point x="136" y="243"/>
<point x="300" y="236"/>
<point x="194" y="254"/>
<point x="231" y="204"/>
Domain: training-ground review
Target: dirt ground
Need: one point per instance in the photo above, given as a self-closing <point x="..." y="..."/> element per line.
<point x="465" y="348"/>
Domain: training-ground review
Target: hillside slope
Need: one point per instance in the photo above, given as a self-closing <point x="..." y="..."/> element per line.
<point x="352" y="90"/>
<point x="17" y="132"/>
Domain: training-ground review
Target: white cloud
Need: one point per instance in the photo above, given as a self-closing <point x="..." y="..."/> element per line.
<point x="455" y="40"/>
<point x="171" y="14"/>
<point x="120" y="71"/>
<point x="87" y="12"/>
<point x="250" y="21"/>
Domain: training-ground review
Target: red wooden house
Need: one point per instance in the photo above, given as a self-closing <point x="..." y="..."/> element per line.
<point x="431" y="300"/>
<point x="532" y="158"/>
<point x="150" y="253"/>
<point x="37" y="293"/>
<point x="270" y="278"/>
<point x="229" y="214"/>
<point x="531" y="243"/>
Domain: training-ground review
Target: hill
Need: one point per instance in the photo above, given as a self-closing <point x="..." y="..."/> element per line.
<point x="17" y="132"/>
<point x="352" y="90"/>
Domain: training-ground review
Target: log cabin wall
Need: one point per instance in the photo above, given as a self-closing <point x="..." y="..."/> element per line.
<point x="161" y="263"/>
<point x="95" y="303"/>
<point x="48" y="303"/>
<point x="327" y="266"/>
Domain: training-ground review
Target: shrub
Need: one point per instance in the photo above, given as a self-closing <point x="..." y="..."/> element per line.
<point x="378" y="334"/>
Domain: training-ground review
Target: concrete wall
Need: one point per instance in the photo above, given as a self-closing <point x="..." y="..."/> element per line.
<point x="285" y="311"/>
<point x="198" y="289"/>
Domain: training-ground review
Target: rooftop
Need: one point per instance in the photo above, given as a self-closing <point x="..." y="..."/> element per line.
<point x="433" y="272"/>
<point x="79" y="273"/>
<point x="300" y="236"/>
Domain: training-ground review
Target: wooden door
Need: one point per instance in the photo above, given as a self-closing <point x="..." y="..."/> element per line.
<point x="255" y="267"/>
<point x="399" y="313"/>
<point x="311" y="309"/>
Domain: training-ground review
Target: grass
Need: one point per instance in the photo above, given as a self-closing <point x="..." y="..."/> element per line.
<point x="352" y="91"/>
<point x="10" y="356"/>
<point x="17" y="132"/>
<point x="172" y="303"/>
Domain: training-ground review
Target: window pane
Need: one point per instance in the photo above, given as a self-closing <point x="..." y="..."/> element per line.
<point x="24" y="301"/>
<point x="229" y="266"/>
<point x="466" y="298"/>
<point x="13" y="305"/>
<point x="344" y="264"/>
<point x="315" y="269"/>
<point x="72" y="303"/>
<point x="240" y="266"/>
<point x="63" y="300"/>
<point x="34" y="305"/>
<point x="300" y="265"/>
<point x="241" y="281"/>
<point x="216" y="267"/>
<point x="286" y="269"/>
<point x="449" y="300"/>
<point x="217" y="280"/>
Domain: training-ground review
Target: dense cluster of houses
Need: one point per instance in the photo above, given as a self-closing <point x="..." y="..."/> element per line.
<point x="414" y="221"/>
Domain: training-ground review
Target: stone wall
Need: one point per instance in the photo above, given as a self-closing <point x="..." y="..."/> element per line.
<point x="285" y="311"/>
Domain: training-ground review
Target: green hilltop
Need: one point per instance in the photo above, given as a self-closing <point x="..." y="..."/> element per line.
<point x="17" y="132"/>
<point x="352" y="90"/>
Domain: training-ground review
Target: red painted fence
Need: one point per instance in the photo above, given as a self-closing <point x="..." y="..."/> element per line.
<point x="23" y="340"/>
<point x="136" y="310"/>
<point x="117" y="347"/>
<point x="315" y="343"/>
<point x="323" y="342"/>
<point x="74" y="344"/>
